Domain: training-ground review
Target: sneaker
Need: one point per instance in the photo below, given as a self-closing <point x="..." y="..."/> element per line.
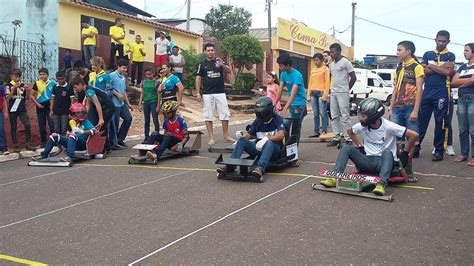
<point x="121" y="143"/>
<point x="333" y="143"/>
<point x="257" y="172"/>
<point x="151" y="155"/>
<point x="450" y="151"/>
<point x="16" y="149"/>
<point x="36" y="158"/>
<point x="223" y="170"/>
<point x="6" y="152"/>
<point x="66" y="159"/>
<point x="30" y="147"/>
<point x="329" y="182"/>
<point x="379" y="190"/>
<point x="349" y="142"/>
<point x="434" y="151"/>
<point x="416" y="153"/>
<point x="437" y="157"/>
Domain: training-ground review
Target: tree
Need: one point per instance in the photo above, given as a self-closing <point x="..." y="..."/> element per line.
<point x="227" y="20"/>
<point x="192" y="59"/>
<point x="243" y="49"/>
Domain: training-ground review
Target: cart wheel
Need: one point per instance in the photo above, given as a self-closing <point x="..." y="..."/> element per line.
<point x="130" y="161"/>
<point x="219" y="176"/>
<point x="314" y="186"/>
<point x="196" y="152"/>
<point x="413" y="179"/>
<point x="70" y="164"/>
<point x="155" y="162"/>
<point x="261" y="179"/>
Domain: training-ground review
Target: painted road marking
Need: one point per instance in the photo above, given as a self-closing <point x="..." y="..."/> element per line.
<point x="217" y="221"/>
<point x="89" y="200"/>
<point x="20" y="260"/>
<point x="213" y="170"/>
<point x="38" y="176"/>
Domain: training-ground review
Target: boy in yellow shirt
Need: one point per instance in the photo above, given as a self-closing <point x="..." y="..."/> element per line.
<point x="138" y="57"/>
<point x="117" y="34"/>
<point x="89" y="34"/>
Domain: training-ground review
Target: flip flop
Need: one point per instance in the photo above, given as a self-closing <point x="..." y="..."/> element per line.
<point x="460" y="159"/>
<point x="211" y="142"/>
<point x="229" y="140"/>
<point x="471" y="163"/>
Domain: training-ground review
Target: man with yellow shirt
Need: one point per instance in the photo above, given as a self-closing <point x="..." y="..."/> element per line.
<point x="137" y="51"/>
<point x="89" y="34"/>
<point x="117" y="34"/>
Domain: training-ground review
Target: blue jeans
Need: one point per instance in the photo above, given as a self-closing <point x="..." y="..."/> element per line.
<point x="70" y="143"/>
<point x="43" y="117"/>
<point x="439" y="108"/>
<point x="270" y="152"/>
<point x="3" y="139"/>
<point x="166" y="142"/>
<point x="147" y="109"/>
<point x="375" y="165"/>
<point x="319" y="110"/>
<point x="466" y="124"/>
<point x="294" y="119"/>
<point x="401" y="116"/>
<point x="124" y="113"/>
<point x="89" y="51"/>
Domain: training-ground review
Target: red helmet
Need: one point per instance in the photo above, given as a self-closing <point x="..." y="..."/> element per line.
<point x="78" y="112"/>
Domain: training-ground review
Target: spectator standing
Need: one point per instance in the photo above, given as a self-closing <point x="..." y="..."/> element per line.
<point x="149" y="99"/>
<point x="61" y="100"/>
<point x="162" y="46"/>
<point x="464" y="81"/>
<point x="170" y="49"/>
<point x="16" y="93"/>
<point x="68" y="60"/>
<point x="177" y="61"/>
<point x="3" y="114"/>
<point x="121" y="103"/>
<point x="83" y="73"/>
<point x="117" y="34"/>
<point x="211" y="73"/>
<point x="342" y="79"/>
<point x="438" y="65"/>
<point x="318" y="94"/>
<point x="138" y="57"/>
<point x="41" y="96"/>
<point x="295" y="108"/>
<point x="89" y="34"/>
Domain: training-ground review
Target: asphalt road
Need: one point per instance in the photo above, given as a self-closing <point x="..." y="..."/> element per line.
<point x="178" y="212"/>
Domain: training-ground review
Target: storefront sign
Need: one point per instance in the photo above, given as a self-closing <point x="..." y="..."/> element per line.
<point x="291" y="30"/>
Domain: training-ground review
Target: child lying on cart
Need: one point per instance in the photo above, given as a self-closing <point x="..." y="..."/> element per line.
<point x="378" y="153"/>
<point x="268" y="128"/>
<point x="75" y="140"/>
<point x="175" y="136"/>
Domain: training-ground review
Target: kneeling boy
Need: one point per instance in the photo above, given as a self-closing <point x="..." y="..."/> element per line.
<point x="376" y="155"/>
<point x="269" y="129"/>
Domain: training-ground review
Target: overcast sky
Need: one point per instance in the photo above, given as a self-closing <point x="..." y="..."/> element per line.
<point x="420" y="17"/>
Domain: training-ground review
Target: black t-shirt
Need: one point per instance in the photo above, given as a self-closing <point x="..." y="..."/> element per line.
<point x="212" y="77"/>
<point x="62" y="99"/>
<point x="18" y="93"/>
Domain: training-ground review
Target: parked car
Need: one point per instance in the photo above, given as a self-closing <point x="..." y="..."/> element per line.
<point x="369" y="84"/>
<point x="386" y="74"/>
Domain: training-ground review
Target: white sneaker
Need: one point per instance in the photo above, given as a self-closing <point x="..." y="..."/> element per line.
<point x="450" y="151"/>
<point x="434" y="151"/>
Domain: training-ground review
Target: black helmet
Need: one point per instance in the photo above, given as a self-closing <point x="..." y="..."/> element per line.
<point x="264" y="109"/>
<point x="371" y="107"/>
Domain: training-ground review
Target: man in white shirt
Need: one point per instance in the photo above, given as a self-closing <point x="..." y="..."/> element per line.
<point x="162" y="46"/>
<point x="377" y="154"/>
<point x="178" y="62"/>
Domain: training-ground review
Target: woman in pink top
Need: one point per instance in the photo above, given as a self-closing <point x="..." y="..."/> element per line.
<point x="272" y="86"/>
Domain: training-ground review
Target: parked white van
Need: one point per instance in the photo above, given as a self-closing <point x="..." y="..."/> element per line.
<point x="386" y="74"/>
<point x="369" y="84"/>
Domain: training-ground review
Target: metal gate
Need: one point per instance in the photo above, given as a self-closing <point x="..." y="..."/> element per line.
<point x="26" y="55"/>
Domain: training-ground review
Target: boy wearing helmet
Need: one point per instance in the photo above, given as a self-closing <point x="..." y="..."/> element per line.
<point x="377" y="153"/>
<point x="176" y="133"/>
<point x="76" y="140"/>
<point x="269" y="129"/>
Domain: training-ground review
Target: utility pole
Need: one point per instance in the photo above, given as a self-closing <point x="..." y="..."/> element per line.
<point x="188" y="15"/>
<point x="353" y="24"/>
<point x="269" y="9"/>
<point x="333" y="31"/>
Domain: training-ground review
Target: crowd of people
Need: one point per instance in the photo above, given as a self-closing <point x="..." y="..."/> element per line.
<point x="93" y="91"/>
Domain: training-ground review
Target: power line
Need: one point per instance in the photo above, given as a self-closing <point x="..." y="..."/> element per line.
<point x="181" y="9"/>
<point x="402" y="31"/>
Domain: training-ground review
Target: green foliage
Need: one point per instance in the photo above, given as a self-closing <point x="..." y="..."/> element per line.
<point x="227" y="20"/>
<point x="245" y="81"/>
<point x="243" y="49"/>
<point x="192" y="59"/>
